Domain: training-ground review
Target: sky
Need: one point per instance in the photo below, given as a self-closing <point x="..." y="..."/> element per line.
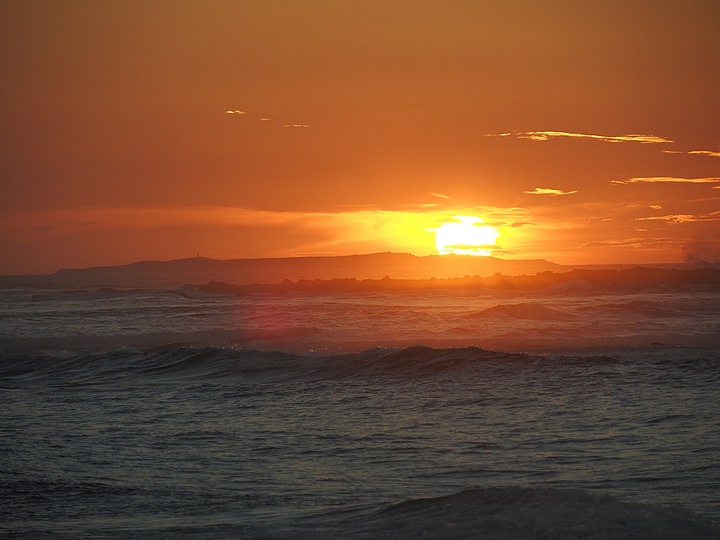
<point x="583" y="131"/>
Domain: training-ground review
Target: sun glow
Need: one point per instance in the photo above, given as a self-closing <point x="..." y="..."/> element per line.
<point x="466" y="235"/>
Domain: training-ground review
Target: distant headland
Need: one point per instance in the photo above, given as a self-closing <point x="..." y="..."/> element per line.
<point x="244" y="272"/>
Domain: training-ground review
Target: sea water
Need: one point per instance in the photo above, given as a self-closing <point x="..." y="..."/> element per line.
<point x="443" y="414"/>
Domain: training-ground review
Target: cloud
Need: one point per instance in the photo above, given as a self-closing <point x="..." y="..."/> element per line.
<point x="439" y="195"/>
<point x="637" y="244"/>
<point x="667" y="180"/>
<point x="45" y="228"/>
<point x="266" y="119"/>
<point x="694" y="152"/>
<point x="671" y="218"/>
<point x="549" y="191"/>
<point x="619" y="242"/>
<point x="674" y="219"/>
<point x="547" y="135"/>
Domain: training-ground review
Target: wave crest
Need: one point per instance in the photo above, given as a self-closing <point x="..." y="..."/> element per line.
<point x="548" y="513"/>
<point x="244" y="365"/>
<point x="524" y="310"/>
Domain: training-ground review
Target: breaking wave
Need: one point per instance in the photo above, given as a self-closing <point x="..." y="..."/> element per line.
<point x="178" y="362"/>
<point x="548" y="513"/>
<point x="526" y="310"/>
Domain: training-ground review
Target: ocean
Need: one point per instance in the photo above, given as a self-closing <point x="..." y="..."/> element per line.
<point x="570" y="411"/>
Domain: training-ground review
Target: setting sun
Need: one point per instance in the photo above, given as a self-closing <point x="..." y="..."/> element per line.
<point x="466" y="235"/>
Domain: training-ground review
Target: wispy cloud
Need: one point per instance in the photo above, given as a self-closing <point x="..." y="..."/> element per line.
<point x="671" y="218"/>
<point x="356" y="231"/>
<point x="554" y="232"/>
<point x="674" y="219"/>
<point x="636" y="243"/>
<point x="694" y="152"/>
<point x="265" y="119"/>
<point x="667" y="180"/>
<point x="632" y="242"/>
<point x="439" y="195"/>
<point x="45" y="228"/>
<point x="549" y="191"/>
<point x="547" y="135"/>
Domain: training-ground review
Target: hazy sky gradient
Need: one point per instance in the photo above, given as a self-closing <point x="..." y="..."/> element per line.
<point x="357" y="126"/>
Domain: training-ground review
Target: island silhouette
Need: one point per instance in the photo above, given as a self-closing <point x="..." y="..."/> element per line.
<point x="367" y="273"/>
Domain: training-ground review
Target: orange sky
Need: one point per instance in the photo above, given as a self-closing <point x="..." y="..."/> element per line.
<point x="586" y="132"/>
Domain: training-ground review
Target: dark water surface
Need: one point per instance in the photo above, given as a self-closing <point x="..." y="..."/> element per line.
<point x="211" y="441"/>
<point x="613" y="441"/>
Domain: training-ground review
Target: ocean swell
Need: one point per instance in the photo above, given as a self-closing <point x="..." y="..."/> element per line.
<point x="180" y="363"/>
<point x="532" y="513"/>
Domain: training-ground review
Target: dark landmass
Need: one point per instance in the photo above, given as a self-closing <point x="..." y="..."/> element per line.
<point x="379" y="271"/>
<point x="574" y="281"/>
<point x="153" y="274"/>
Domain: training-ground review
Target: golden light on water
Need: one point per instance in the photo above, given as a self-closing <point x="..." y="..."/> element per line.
<point x="466" y="235"/>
